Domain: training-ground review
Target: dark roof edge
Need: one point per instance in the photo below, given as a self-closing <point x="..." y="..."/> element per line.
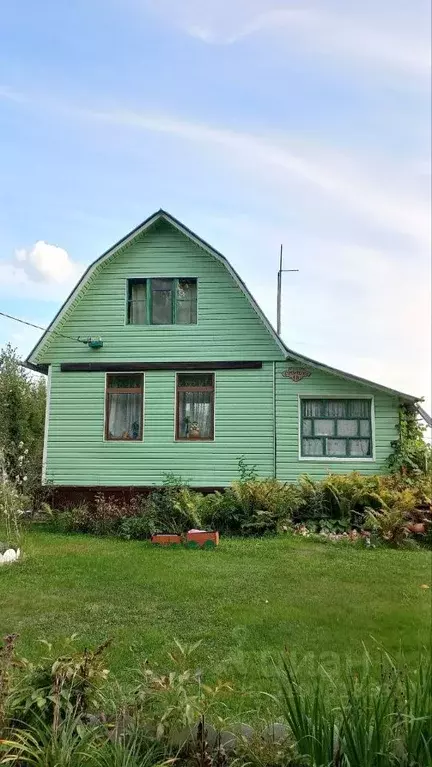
<point x="43" y="369"/>
<point x="426" y="417"/>
<point x="350" y="376"/>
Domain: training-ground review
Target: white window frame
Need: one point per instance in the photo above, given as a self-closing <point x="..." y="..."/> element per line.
<point x="328" y="458"/>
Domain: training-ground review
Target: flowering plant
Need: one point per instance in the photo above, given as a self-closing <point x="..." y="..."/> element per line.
<point x="10" y="503"/>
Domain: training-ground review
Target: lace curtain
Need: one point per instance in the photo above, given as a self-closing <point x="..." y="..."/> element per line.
<point x="138" y="304"/>
<point x="195" y="408"/>
<point x="124" y="415"/>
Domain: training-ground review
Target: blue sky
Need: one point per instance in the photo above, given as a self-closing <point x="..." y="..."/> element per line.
<point x="255" y="122"/>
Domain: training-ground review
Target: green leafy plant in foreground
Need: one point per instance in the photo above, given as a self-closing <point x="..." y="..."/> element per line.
<point x="59" y="685"/>
<point x="376" y="714"/>
<point x="176" y="699"/>
<point x="361" y="720"/>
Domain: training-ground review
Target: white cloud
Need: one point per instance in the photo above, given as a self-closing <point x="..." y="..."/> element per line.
<point x="47" y="263"/>
<point x="43" y="271"/>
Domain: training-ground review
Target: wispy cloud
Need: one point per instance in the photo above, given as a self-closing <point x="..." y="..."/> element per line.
<point x="386" y="195"/>
<point x="374" y="34"/>
<point x="10" y="94"/>
<point x="331" y="174"/>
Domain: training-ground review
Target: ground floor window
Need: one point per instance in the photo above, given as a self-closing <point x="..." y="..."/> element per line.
<point x="124" y="406"/>
<point x="195" y="406"/>
<point x="336" y="428"/>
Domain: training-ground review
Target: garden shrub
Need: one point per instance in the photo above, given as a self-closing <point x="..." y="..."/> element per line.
<point x="104" y="518"/>
<point x="58" y="685"/>
<point x="314" y="502"/>
<point x="65" y="521"/>
<point x="390" y="525"/>
<point x="136" y="528"/>
<point x="411" y="455"/>
<point x="109" y="513"/>
<point x="221" y="511"/>
<point x="252" y="506"/>
<point x="175" y="508"/>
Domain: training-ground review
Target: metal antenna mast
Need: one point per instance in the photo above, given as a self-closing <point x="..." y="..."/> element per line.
<point x="279" y="289"/>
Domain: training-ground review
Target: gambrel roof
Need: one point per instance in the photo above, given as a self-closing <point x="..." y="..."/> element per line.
<point x="162" y="215"/>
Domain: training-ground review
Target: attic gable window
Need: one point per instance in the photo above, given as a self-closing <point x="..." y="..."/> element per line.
<point x="336" y="428"/>
<point x="162" y="301"/>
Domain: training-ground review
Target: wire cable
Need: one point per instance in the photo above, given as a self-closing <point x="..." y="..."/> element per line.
<point x="39" y="327"/>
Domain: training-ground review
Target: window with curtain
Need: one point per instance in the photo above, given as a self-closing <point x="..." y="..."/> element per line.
<point x="336" y="428"/>
<point x="124" y="406"/>
<point x="162" y="301"/>
<point x="137" y="302"/>
<point x="195" y="406"/>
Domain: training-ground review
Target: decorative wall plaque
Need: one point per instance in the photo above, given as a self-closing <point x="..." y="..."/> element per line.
<point x="296" y="375"/>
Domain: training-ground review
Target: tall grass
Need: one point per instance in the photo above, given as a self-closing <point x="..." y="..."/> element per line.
<point x="362" y="719"/>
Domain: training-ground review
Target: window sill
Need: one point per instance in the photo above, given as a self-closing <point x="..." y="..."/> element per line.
<point x="194" y="441"/>
<point x="329" y="459"/>
<point x="126" y="441"/>
<point x="148" y="326"/>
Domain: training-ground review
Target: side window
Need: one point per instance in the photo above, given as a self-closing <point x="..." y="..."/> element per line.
<point x="336" y="428"/>
<point x="124" y="406"/>
<point x="162" y="301"/>
<point x="195" y="406"/>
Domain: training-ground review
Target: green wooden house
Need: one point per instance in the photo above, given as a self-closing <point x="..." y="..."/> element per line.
<point x="178" y="370"/>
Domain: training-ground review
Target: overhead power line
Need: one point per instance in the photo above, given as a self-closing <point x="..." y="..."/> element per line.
<point x="39" y="327"/>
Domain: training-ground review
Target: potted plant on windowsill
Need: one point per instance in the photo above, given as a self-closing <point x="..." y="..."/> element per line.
<point x="194" y="431"/>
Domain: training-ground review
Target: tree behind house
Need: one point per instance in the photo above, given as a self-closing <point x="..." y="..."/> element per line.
<point x="22" y="416"/>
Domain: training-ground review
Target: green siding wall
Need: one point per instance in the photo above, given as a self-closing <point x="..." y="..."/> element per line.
<point x="78" y="455"/>
<point x="228" y="327"/>
<point x="320" y="384"/>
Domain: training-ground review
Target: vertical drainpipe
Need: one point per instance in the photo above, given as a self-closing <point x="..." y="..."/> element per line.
<point x="274" y="424"/>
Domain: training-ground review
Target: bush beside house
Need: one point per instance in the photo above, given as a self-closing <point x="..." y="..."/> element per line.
<point x="390" y="509"/>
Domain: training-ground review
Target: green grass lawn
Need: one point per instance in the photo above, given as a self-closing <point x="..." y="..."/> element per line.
<point x="245" y="600"/>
